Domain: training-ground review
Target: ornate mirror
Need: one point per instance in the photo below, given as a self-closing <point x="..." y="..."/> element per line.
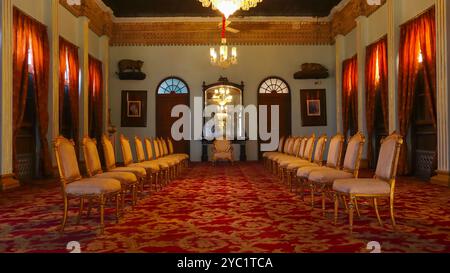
<point x="222" y="101"/>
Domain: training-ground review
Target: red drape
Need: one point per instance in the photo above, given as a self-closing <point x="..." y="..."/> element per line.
<point x="376" y="81"/>
<point x="29" y="34"/>
<point x="95" y="98"/>
<point x="417" y="36"/>
<point x="350" y="94"/>
<point x="68" y="58"/>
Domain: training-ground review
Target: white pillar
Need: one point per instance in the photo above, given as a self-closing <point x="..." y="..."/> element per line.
<point x="443" y="98"/>
<point x="361" y="43"/>
<point x="84" y="80"/>
<point x="340" y="56"/>
<point x="393" y="34"/>
<point x="53" y="96"/>
<point x="104" y="55"/>
<point x="7" y="180"/>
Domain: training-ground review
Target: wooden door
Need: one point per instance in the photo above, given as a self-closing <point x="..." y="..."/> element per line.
<point x="424" y="135"/>
<point x="171" y="92"/>
<point x="26" y="149"/>
<point x="275" y="91"/>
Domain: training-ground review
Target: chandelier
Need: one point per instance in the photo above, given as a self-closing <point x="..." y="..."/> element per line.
<point x="228" y="7"/>
<point x="224" y="59"/>
<point x="222" y="97"/>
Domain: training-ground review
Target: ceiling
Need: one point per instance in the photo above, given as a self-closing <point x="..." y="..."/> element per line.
<point x="193" y="8"/>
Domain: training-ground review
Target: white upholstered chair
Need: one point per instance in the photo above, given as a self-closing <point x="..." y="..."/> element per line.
<point x="222" y="150"/>
<point x="333" y="162"/>
<point x="110" y="162"/>
<point x="322" y="180"/>
<point x="128" y="180"/>
<point x="158" y="169"/>
<point x="381" y="186"/>
<point x="74" y="186"/>
<point x="288" y="142"/>
<point x="265" y="155"/>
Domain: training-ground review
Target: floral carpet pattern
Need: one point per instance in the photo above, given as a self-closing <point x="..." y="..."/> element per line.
<point x="239" y="209"/>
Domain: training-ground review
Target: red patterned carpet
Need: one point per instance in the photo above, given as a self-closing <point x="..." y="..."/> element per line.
<point x="226" y="209"/>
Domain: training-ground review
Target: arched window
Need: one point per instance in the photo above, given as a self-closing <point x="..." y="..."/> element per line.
<point x="274" y="85"/>
<point x="173" y="85"/>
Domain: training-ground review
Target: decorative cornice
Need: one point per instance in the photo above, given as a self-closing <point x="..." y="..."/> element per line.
<point x="100" y="17"/>
<point x="207" y="33"/>
<point x="204" y="31"/>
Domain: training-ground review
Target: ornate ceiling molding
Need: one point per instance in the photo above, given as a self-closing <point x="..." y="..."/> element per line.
<point x="204" y="31"/>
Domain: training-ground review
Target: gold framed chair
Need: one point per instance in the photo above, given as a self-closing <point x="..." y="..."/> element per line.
<point x="333" y="162"/>
<point x="321" y="181"/>
<point x="265" y="155"/>
<point x="222" y="150"/>
<point x="151" y="168"/>
<point x="110" y="162"/>
<point x="288" y="151"/>
<point x="128" y="180"/>
<point x="298" y="149"/>
<point x="183" y="157"/>
<point x="292" y="167"/>
<point x="381" y="186"/>
<point x="177" y="159"/>
<point x="271" y="157"/>
<point x="75" y="186"/>
<point x="304" y="158"/>
<point x="161" y="156"/>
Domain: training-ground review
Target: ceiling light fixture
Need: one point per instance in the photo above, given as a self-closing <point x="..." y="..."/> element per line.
<point x="228" y="7"/>
<point x="223" y="60"/>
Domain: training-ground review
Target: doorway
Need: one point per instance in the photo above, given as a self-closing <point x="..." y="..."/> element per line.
<point x="171" y="91"/>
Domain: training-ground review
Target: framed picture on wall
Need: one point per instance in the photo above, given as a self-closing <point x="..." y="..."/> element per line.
<point x="313" y="104"/>
<point x="134" y="109"/>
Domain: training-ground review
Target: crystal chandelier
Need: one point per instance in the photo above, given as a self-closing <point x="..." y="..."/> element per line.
<point x="222" y="97"/>
<point x="223" y="60"/>
<point x="228" y="7"/>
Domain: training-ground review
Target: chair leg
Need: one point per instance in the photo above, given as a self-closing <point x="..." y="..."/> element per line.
<point x="391" y="208"/>
<point x="323" y="202"/>
<point x="80" y="211"/>
<point x="336" y="207"/>
<point x="311" y="187"/>
<point x="350" y="213"/>
<point x="118" y="196"/>
<point x="66" y="208"/>
<point x="375" y="205"/>
<point x="357" y="207"/>
<point x="102" y="214"/>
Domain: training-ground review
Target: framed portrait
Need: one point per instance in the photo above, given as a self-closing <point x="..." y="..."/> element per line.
<point x="313" y="103"/>
<point x="134" y="109"/>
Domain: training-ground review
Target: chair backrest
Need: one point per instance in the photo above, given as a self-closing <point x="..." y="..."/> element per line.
<point x="140" y="154"/>
<point x="67" y="160"/>
<point x="388" y="158"/>
<point x="161" y="149"/>
<point x="165" y="146"/>
<point x="149" y="148"/>
<point x="335" y="151"/>
<point x="309" y="148"/>
<point x="91" y="156"/>
<point x="320" y="148"/>
<point x="281" y="144"/>
<point x="297" y="144"/>
<point x="170" y="143"/>
<point x="290" y="150"/>
<point x="108" y="151"/>
<point x="222" y="146"/>
<point x="353" y="154"/>
<point x="301" y="151"/>
<point x="286" y="145"/>
<point x="156" y="146"/>
<point x="127" y="154"/>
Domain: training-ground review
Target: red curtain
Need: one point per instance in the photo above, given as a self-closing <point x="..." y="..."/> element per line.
<point x="29" y="34"/>
<point x="68" y="58"/>
<point x="376" y="81"/>
<point x="350" y="94"/>
<point x="95" y="98"/>
<point x="417" y="37"/>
